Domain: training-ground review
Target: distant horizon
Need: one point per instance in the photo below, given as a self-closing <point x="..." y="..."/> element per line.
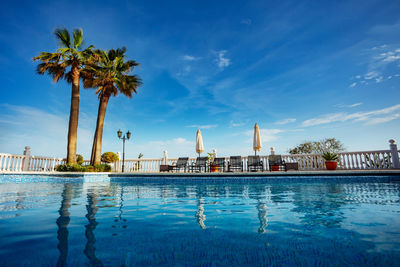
<point x="303" y="71"/>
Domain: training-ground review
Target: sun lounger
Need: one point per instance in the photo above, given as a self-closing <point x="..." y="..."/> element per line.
<point x="235" y="164"/>
<point x="276" y="163"/>
<point x="254" y="164"/>
<point x="181" y="164"/>
<point x="200" y="164"/>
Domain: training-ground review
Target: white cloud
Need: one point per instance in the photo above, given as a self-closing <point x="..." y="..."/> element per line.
<point x="209" y="126"/>
<point x="44" y="132"/>
<point x="358" y="116"/>
<point x="379" y="79"/>
<point x="221" y="60"/>
<point x="353" y="85"/>
<point x="383" y="119"/>
<point x="190" y="58"/>
<point x="370" y="75"/>
<point x="285" y="121"/>
<point x="176" y="147"/>
<point x="266" y="135"/>
<point x="354" y="105"/>
<point x="237" y="124"/>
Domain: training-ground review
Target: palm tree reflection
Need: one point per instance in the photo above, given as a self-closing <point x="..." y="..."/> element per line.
<point x="90" y="249"/>
<point x="62" y="223"/>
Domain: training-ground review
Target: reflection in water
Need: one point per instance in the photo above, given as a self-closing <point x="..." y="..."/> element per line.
<point x="309" y="223"/>
<point x="62" y="223"/>
<point x="90" y="249"/>
<point x="262" y="216"/>
<point x="200" y="217"/>
<point x="319" y="205"/>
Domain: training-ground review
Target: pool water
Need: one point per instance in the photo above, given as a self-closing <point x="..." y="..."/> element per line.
<point x="134" y="222"/>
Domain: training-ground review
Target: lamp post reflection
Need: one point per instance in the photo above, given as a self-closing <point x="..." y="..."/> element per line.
<point x="62" y="223"/>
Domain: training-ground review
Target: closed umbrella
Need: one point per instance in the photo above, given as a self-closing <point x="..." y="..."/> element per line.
<point x="256" y="139"/>
<point x="199" y="143"/>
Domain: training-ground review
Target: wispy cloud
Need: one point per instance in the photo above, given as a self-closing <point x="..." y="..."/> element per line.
<point x="44" y="132"/>
<point x="380" y="60"/>
<point x="237" y="124"/>
<point x="353" y="85"/>
<point x="286" y="121"/>
<point x="354" y="105"/>
<point x="369" y="117"/>
<point x="266" y="135"/>
<point x="349" y="106"/>
<point x="190" y="58"/>
<point x="221" y="60"/>
<point x="203" y="126"/>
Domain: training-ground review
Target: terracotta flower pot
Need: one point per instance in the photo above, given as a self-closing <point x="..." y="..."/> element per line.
<point x="331" y="165"/>
<point x="214" y="168"/>
<point x="275" y="168"/>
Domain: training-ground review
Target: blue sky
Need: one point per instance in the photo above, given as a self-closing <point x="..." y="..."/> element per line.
<point x="303" y="70"/>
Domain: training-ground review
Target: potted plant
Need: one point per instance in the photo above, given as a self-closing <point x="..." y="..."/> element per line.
<point x="331" y="159"/>
<point x="211" y="157"/>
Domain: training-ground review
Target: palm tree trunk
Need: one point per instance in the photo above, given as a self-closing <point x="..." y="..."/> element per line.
<point x="98" y="135"/>
<point x="73" y="117"/>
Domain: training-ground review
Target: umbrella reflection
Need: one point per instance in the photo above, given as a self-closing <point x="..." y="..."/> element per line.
<point x="200" y="217"/>
<point x="262" y="216"/>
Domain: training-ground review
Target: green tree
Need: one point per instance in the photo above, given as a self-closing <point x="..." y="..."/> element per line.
<point x="109" y="157"/>
<point x="67" y="63"/>
<point x="110" y="74"/>
<point x="318" y="147"/>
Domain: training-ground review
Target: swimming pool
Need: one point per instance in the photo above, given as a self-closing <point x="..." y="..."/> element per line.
<point x="188" y="222"/>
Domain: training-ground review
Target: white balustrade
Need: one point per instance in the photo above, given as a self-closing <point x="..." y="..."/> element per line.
<point x="360" y="160"/>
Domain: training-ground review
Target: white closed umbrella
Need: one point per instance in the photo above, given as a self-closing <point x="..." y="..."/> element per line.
<point x="199" y="143"/>
<point x="256" y="139"/>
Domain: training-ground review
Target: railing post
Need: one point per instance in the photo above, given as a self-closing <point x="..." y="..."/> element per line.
<point x="395" y="154"/>
<point x="118" y="163"/>
<point x="27" y="159"/>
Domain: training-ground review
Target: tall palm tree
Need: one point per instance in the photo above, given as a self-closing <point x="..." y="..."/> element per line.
<point x="67" y="63"/>
<point x="110" y="74"/>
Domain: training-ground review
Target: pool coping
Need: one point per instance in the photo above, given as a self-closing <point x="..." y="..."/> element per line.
<point x="392" y="172"/>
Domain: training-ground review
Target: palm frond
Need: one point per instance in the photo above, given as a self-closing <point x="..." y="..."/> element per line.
<point x="78" y="38"/>
<point x="63" y="36"/>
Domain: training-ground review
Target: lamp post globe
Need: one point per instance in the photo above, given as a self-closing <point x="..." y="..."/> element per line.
<point x="125" y="137"/>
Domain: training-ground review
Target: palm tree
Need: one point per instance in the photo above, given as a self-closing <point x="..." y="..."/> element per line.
<point x="67" y="63"/>
<point x="110" y="74"/>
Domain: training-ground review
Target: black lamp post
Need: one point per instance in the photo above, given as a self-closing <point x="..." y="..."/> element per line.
<point x="125" y="137"/>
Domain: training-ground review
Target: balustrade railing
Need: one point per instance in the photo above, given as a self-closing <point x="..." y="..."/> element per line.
<point x="360" y="160"/>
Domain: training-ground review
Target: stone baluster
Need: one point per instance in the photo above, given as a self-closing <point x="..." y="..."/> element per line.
<point x="395" y="154"/>
<point x="27" y="159"/>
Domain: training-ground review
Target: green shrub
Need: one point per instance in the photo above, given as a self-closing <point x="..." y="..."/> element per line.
<point x="70" y="168"/>
<point x="79" y="159"/>
<point x="102" y="168"/>
<point x="109" y="157"/>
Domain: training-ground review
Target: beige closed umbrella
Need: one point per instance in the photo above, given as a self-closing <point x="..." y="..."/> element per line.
<point x="256" y="139"/>
<point x="199" y="143"/>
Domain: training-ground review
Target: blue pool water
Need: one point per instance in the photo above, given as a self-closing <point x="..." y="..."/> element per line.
<point x="184" y="222"/>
